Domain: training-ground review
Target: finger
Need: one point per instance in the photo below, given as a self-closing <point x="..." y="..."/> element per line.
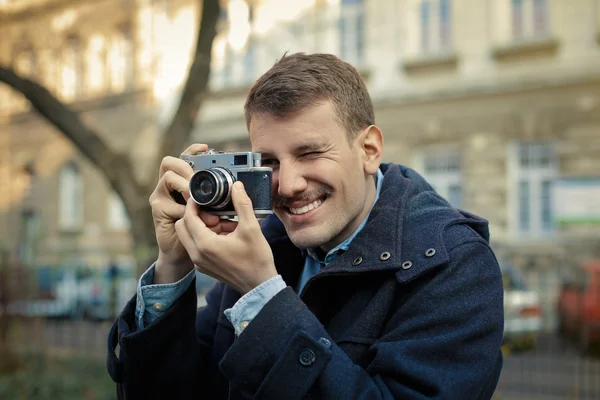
<point x="176" y="165"/>
<point x="209" y="219"/>
<point x="186" y="240"/>
<point x="227" y="227"/>
<point x="195" y="148"/>
<point x="171" y="181"/>
<point x="243" y="206"/>
<point x="194" y="224"/>
<point x="167" y="208"/>
<point x="223" y="227"/>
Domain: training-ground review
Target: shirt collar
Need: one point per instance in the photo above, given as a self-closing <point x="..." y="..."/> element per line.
<point x="342" y="247"/>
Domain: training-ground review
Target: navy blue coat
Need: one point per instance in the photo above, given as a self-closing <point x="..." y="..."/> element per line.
<point x="413" y="310"/>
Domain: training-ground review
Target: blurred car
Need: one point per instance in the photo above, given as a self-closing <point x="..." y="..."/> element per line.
<point x="578" y="306"/>
<point x="522" y="310"/>
<point x="108" y="291"/>
<point x="56" y="293"/>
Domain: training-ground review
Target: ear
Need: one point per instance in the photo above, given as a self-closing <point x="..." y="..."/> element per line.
<point x="370" y="142"/>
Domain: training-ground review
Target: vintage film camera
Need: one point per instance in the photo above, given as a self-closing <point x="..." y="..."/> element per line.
<point x="214" y="175"/>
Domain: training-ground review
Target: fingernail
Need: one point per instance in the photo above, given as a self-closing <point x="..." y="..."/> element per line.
<point x="240" y="186"/>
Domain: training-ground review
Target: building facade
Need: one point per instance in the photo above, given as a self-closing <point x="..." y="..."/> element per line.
<point x="496" y="102"/>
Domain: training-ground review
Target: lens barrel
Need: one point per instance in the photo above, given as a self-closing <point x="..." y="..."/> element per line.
<point x="212" y="187"/>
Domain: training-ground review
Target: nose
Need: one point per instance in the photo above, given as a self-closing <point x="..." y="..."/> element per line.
<point x="290" y="180"/>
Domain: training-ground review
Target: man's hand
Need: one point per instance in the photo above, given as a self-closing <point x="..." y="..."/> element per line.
<point x="242" y="258"/>
<point x="173" y="261"/>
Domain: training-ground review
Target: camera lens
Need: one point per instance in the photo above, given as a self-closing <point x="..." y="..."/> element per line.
<point x="207" y="188"/>
<point x="211" y="187"/>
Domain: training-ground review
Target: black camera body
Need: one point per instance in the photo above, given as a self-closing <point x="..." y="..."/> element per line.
<point x="214" y="175"/>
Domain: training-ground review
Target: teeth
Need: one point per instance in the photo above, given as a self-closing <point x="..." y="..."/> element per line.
<point x="305" y="209"/>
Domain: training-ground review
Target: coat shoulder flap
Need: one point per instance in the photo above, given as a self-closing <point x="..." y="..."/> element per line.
<point x="428" y="238"/>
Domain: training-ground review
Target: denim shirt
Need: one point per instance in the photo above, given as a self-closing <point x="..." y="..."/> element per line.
<point x="154" y="300"/>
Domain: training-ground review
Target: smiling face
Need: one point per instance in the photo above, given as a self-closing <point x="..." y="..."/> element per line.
<point x="323" y="186"/>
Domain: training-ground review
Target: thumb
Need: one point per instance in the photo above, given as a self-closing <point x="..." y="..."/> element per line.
<point x="243" y="205"/>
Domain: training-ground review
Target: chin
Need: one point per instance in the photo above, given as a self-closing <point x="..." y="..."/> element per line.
<point x="307" y="238"/>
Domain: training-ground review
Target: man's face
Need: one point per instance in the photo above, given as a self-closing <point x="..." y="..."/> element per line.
<point x="321" y="190"/>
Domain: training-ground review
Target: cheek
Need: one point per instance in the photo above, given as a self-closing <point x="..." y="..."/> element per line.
<point x="274" y="183"/>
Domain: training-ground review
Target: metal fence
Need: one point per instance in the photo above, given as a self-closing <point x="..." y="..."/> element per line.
<point x="63" y="356"/>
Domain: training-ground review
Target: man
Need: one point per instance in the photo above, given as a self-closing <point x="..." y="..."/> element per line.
<point x="364" y="284"/>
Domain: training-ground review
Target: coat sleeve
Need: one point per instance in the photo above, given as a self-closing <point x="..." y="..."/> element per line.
<point x="168" y="359"/>
<point x="443" y="342"/>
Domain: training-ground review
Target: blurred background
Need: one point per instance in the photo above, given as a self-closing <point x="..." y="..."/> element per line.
<point x="495" y="102"/>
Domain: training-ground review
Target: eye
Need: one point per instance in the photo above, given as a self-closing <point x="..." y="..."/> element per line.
<point x="270" y="162"/>
<point x="312" y="154"/>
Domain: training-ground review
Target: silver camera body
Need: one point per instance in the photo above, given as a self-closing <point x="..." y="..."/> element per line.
<point x="215" y="173"/>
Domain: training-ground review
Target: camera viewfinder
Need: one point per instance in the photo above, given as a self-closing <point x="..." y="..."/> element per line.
<point x="241" y="159"/>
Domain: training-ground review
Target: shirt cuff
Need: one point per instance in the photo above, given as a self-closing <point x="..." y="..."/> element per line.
<point x="154" y="300"/>
<point x="246" y="308"/>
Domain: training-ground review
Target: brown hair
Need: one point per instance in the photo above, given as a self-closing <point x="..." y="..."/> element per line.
<point x="300" y="80"/>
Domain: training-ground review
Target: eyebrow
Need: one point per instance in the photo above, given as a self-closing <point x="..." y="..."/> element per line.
<point x="318" y="145"/>
<point x="303" y="148"/>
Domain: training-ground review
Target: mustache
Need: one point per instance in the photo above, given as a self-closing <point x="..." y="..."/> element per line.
<point x="280" y="201"/>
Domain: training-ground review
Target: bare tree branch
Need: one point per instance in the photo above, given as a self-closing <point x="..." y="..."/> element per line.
<point x="116" y="167"/>
<point x="195" y="87"/>
<point x="87" y="141"/>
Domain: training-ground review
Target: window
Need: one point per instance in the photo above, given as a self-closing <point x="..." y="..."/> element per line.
<point x="517" y="18"/>
<point x="598" y="19"/>
<point x="70" y="203"/>
<point x="72" y="71"/>
<point x="435" y="26"/>
<point x="445" y="24"/>
<point x="425" y="26"/>
<point x="227" y="70"/>
<point x="117" y="214"/>
<point x="220" y="70"/>
<point x="234" y="47"/>
<point x="532" y="169"/>
<point x="524" y="201"/>
<point x="49" y="69"/>
<point x="250" y="60"/>
<point x="29" y="233"/>
<point x="529" y="18"/>
<point x="442" y="169"/>
<point x="250" y="51"/>
<point x="352" y="31"/>
<point x="540" y="17"/>
<point x="25" y="65"/>
<point x="96" y="66"/>
<point x="121" y="59"/>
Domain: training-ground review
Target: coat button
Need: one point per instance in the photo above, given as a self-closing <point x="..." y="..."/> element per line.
<point x="325" y="342"/>
<point x="357" y="261"/>
<point x="307" y="357"/>
<point x="384" y="256"/>
<point x="430" y="253"/>
<point x="157" y="307"/>
<point x="406" y="265"/>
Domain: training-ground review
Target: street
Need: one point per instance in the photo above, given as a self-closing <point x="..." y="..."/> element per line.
<point x="551" y="371"/>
